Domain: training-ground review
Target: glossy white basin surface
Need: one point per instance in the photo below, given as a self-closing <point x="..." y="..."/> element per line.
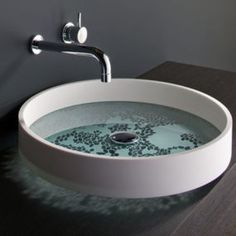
<point x="123" y="176"/>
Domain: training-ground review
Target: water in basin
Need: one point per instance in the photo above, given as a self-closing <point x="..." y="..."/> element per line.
<point x="127" y="129"/>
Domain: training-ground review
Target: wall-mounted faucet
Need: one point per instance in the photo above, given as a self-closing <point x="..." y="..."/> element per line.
<point x="70" y="47"/>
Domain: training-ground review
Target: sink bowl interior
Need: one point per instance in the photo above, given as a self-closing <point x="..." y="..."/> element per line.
<point x="154" y="165"/>
<point x="126" y="129"/>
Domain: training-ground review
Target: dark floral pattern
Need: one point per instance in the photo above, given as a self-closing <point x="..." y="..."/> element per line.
<point x="86" y="141"/>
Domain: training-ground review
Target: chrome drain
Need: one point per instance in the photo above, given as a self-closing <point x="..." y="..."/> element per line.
<point x="124" y="137"/>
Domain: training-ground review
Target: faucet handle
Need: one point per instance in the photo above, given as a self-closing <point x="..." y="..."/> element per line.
<point x="74" y="33"/>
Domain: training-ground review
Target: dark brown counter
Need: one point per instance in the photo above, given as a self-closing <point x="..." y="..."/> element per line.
<point x="216" y="213"/>
<point x="210" y="210"/>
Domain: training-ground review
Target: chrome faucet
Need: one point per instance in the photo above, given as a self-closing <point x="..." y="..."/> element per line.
<point x="38" y="45"/>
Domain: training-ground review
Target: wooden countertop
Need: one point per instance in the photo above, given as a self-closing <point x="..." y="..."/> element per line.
<point x="212" y="213"/>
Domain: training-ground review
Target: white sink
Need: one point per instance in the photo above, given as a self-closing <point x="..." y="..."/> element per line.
<point x="175" y="170"/>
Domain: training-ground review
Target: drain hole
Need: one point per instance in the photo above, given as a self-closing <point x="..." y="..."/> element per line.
<point x="124" y="138"/>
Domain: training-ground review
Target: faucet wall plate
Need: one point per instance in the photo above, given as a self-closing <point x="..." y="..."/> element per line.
<point x="34" y="48"/>
<point x="65" y="36"/>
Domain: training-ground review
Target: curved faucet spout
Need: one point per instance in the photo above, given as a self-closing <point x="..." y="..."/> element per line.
<point x="38" y="45"/>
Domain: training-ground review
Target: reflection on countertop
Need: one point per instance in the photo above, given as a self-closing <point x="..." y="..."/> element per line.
<point x="97" y="215"/>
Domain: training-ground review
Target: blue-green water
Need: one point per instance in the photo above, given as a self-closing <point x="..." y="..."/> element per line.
<point x="161" y="130"/>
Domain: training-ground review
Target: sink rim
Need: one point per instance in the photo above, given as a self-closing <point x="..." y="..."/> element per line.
<point x="60" y="148"/>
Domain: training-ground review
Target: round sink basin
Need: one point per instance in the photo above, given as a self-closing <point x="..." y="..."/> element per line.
<point x="130" y="138"/>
